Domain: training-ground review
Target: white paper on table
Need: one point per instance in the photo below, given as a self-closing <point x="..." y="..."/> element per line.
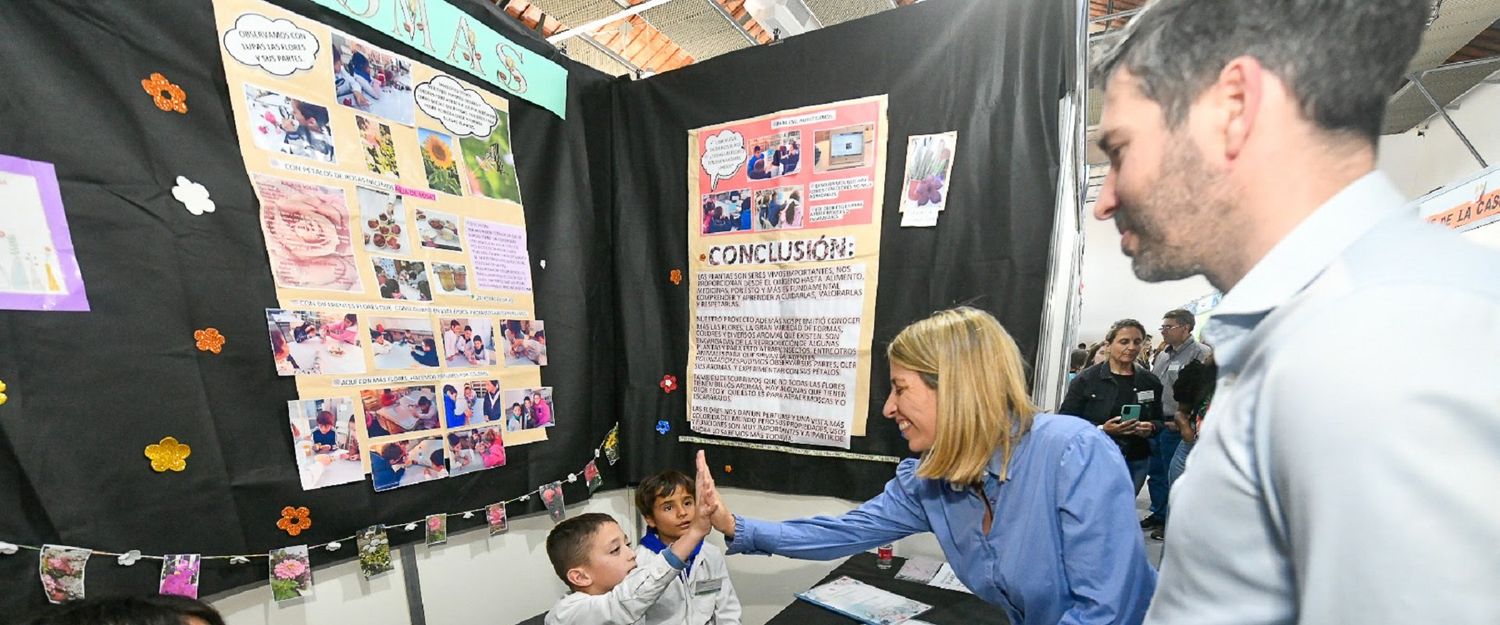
<point x="864" y="602"/>
<point x="945" y="578"/>
<point x="920" y="570"/>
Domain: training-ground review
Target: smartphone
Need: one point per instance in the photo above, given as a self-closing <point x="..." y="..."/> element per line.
<point x="1130" y="412"/>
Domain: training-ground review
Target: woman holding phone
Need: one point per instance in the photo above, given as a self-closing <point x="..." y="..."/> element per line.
<point x="1120" y="397"/>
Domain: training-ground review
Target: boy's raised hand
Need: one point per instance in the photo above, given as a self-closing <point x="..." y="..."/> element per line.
<point x="708" y="494"/>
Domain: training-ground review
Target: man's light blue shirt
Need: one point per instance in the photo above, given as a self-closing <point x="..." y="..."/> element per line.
<point x="1349" y="468"/>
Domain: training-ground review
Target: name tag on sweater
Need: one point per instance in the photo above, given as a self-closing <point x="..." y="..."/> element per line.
<point x="707" y="586"/>
<point x="1145" y="396"/>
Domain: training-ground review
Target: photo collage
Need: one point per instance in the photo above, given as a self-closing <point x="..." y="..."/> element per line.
<point x="415" y="432"/>
<point x="382" y="182"/>
<point x="359" y="113"/>
<point x="786" y="170"/>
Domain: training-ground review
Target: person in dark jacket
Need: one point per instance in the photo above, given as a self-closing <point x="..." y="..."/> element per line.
<point x="1101" y="392"/>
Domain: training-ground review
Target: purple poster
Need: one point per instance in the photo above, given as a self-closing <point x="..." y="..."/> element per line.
<point x="37" y="267"/>
<point x="499" y="253"/>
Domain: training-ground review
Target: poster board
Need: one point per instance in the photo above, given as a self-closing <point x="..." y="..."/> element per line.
<point x="394" y="226"/>
<point x="784" y="248"/>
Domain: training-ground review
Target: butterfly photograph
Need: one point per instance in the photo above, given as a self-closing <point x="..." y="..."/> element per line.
<point x="490" y="163"/>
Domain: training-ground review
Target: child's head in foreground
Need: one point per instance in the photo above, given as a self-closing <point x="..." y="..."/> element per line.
<point x="666" y="501"/>
<point x="590" y="553"/>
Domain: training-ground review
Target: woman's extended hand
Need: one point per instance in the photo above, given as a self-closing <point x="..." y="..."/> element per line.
<point x="708" y="496"/>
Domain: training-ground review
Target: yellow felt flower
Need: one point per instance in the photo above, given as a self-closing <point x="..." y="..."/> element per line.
<point x="168" y="455"/>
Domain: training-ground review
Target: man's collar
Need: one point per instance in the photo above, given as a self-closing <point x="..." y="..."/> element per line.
<point x="1310" y="247"/>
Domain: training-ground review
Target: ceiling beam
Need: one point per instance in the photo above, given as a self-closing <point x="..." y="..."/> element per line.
<point x="634" y="69"/>
<point x="739" y="28"/>
<point x="589" y="27"/>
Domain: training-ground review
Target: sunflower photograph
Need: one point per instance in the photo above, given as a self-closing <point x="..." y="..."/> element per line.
<point x="438" y="159"/>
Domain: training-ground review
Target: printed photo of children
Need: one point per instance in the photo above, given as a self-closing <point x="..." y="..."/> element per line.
<point x="471" y="403"/>
<point x="402" y="279"/>
<point x="398" y="410"/>
<point x="528" y="408"/>
<point x="780" y="208"/>
<point x="438" y="231"/>
<point x="372" y="80"/>
<point x="468" y="342"/>
<point x="403" y="463"/>
<point x="314" y="342"/>
<point x="476" y="449"/>
<point x="775" y="156"/>
<point x="524" y="342"/>
<point x="383" y="220"/>
<point x="379" y="146"/>
<point x="288" y="126"/>
<point x="325" y="446"/>
<point x="729" y="211"/>
<point x="403" y="343"/>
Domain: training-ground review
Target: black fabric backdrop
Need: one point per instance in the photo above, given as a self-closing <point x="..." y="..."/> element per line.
<point x="994" y="71"/>
<point x="604" y="195"/>
<point x="88" y="391"/>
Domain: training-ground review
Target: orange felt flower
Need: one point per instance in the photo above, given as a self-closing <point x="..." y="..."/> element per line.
<point x="168" y="455"/>
<point x="294" y="520"/>
<point x="728" y="469"/>
<point x="167" y="96"/>
<point x="209" y="340"/>
<point x="676" y="276"/>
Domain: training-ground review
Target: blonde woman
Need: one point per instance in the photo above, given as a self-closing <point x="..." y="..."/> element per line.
<point x="1033" y="511"/>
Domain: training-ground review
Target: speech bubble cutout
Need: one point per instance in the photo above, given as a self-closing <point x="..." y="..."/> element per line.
<point x="723" y="154"/>
<point x="460" y="109"/>
<point x="277" y="46"/>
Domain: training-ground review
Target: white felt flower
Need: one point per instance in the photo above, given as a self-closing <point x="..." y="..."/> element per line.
<point x="8" y="549"/>
<point x="129" y="558"/>
<point x="334" y="546"/>
<point x="192" y="195"/>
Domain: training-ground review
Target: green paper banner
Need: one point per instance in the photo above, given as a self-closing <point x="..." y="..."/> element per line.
<point x="454" y="37"/>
